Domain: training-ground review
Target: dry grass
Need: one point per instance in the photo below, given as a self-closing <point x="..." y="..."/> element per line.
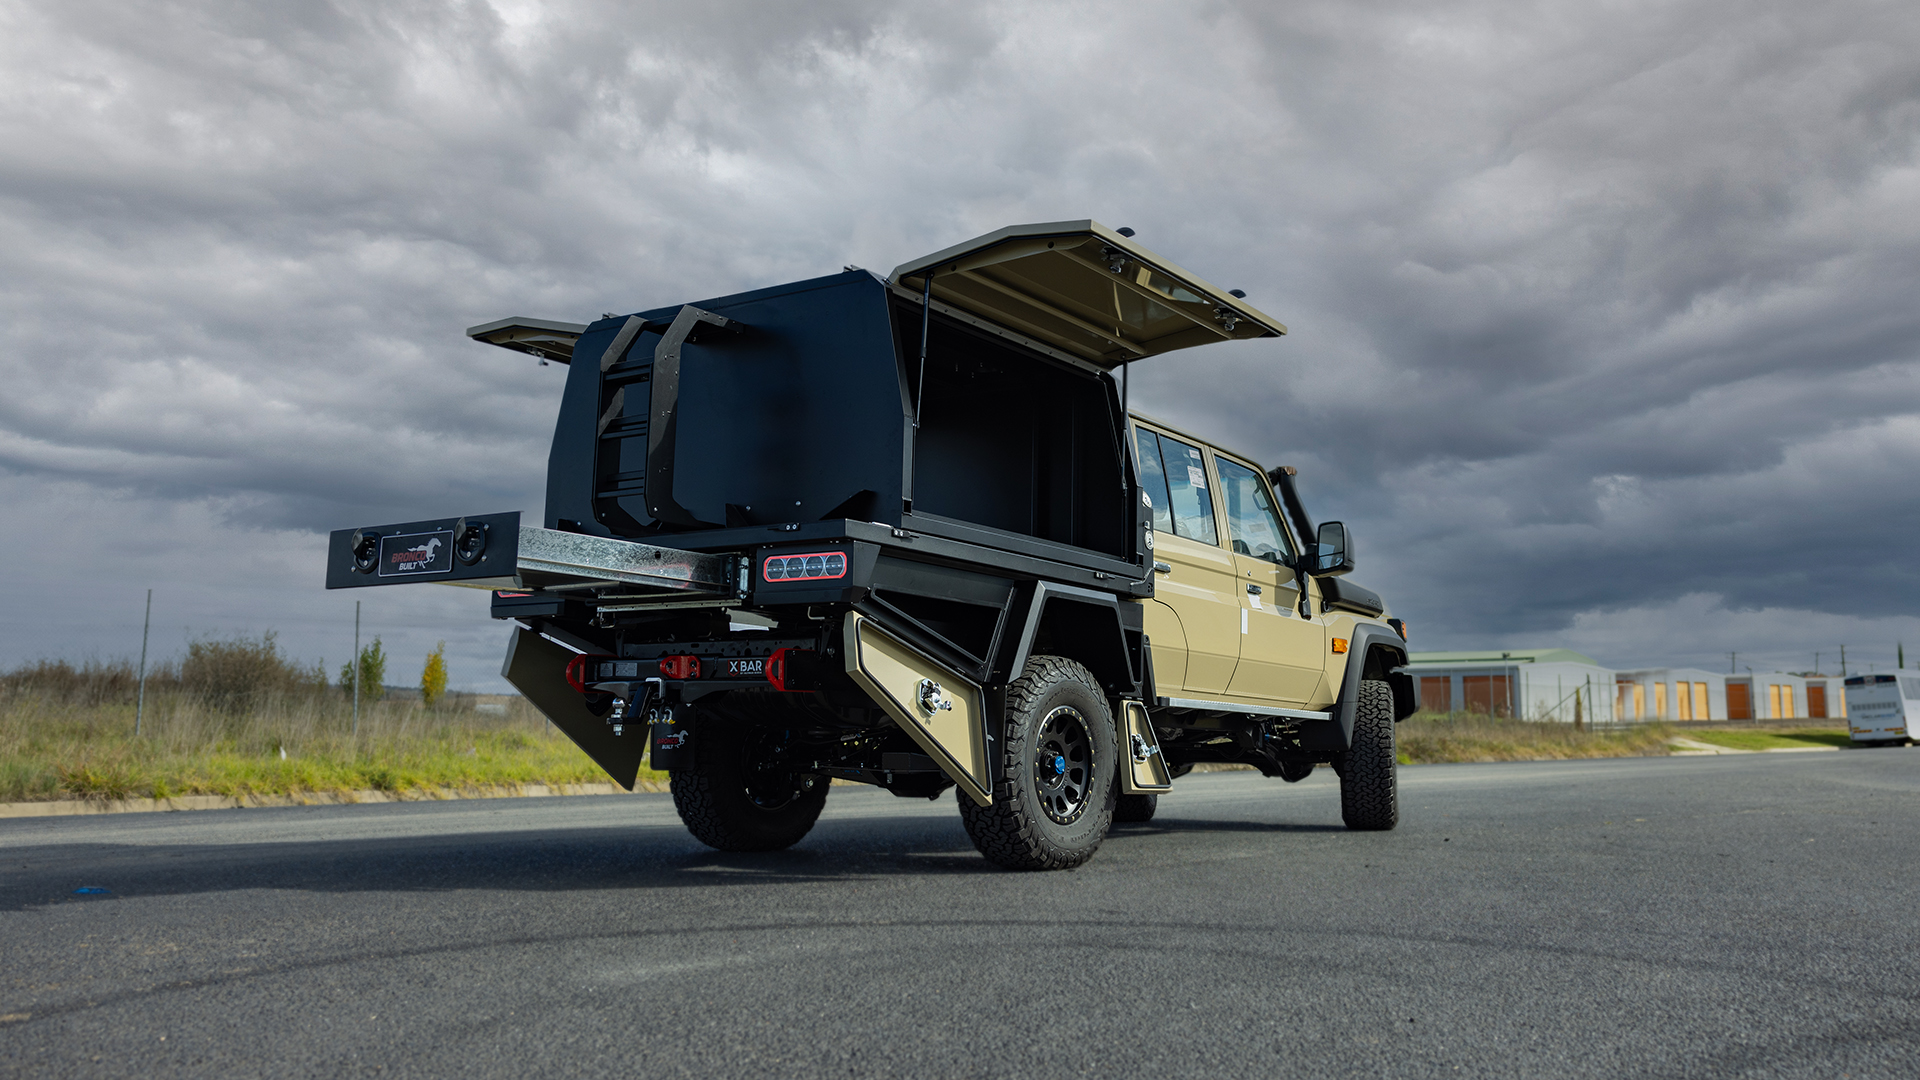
<point x="1772" y="737"/>
<point x="1437" y="737"/>
<point x="234" y="718"/>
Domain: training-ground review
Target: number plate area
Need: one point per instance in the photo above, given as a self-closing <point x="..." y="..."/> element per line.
<point x="416" y="553"/>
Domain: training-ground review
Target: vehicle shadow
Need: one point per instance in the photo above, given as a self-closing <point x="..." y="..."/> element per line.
<point x="1192" y="825"/>
<point x="553" y="861"/>
<point x="547" y="862"/>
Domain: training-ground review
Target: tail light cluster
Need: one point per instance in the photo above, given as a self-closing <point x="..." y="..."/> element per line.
<point x="817" y="566"/>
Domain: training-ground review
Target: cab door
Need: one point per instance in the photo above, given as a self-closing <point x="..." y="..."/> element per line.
<point x="1195" y="580"/>
<point x="1282" y="654"/>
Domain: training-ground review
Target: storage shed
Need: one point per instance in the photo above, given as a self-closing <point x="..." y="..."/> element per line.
<point x="1540" y="684"/>
<point x="1670" y="694"/>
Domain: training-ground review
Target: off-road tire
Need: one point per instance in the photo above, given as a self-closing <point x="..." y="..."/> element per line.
<point x="1055" y="703"/>
<point x="718" y="807"/>
<point x="1135" y="809"/>
<point x="1369" y="789"/>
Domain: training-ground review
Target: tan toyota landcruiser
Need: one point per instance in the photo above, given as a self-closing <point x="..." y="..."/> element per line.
<point x="1247" y="620"/>
<point x="903" y="531"/>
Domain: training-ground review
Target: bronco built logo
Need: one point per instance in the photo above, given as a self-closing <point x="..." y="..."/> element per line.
<point x="416" y="553"/>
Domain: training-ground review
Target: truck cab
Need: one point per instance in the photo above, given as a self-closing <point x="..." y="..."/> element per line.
<point x="905" y="531"/>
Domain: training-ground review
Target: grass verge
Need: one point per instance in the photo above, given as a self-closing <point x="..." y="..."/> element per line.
<point x="1428" y="738"/>
<point x="1771" y="740"/>
<point x="74" y="738"/>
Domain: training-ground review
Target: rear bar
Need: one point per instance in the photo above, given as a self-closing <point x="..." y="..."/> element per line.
<point x="495" y="551"/>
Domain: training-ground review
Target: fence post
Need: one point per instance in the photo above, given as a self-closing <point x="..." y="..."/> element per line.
<point x="140" y="705"/>
<point x="356" y="669"/>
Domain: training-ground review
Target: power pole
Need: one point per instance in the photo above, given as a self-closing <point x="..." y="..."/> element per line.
<point x="140" y="706"/>
<point x="356" y="669"/>
<point x="1733" y="663"/>
<point x="1843" y="661"/>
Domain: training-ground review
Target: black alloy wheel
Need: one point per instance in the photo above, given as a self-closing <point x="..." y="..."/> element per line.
<point x="1063" y="772"/>
<point x="1059" y="755"/>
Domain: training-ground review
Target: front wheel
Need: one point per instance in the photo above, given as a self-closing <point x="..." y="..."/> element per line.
<point x="1369" y="786"/>
<point x="736" y="798"/>
<point x="1054" y="802"/>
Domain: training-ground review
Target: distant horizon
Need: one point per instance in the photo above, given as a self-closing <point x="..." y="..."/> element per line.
<point x="1601" y="319"/>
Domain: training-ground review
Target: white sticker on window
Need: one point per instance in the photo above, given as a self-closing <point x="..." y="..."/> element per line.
<point x="1196" y="476"/>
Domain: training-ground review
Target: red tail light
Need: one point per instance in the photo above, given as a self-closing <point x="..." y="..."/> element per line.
<point x="816" y="566"/>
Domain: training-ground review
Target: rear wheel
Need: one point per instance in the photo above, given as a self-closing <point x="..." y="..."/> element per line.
<point x="1056" y="799"/>
<point x="1135" y="809"/>
<point x="1369" y="787"/>
<point x="737" y="798"/>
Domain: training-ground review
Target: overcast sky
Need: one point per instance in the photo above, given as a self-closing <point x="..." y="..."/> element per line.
<point x="1605" y="317"/>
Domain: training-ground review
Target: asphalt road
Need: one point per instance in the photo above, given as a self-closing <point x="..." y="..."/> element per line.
<point x="1737" y="916"/>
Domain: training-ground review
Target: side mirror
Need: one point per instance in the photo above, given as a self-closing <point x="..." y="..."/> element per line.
<point x="1332" y="551"/>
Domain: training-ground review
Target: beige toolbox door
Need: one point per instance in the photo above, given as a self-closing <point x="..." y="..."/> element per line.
<point x="937" y="707"/>
<point x="1147" y="772"/>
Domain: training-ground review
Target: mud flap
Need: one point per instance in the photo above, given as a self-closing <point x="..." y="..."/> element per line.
<point x="940" y="709"/>
<point x="538" y="668"/>
<point x="1146" y="772"/>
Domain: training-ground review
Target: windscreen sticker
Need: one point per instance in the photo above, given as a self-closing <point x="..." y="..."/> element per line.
<point x="416" y="553"/>
<point x="1196" y="476"/>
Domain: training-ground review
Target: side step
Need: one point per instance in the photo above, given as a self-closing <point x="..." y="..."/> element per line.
<point x="495" y="551"/>
<point x="1228" y="706"/>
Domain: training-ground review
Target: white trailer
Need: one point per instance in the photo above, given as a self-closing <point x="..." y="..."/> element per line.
<point x="1878" y="707"/>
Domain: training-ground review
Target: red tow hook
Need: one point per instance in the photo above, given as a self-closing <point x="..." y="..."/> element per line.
<point x="577" y="671"/>
<point x="789" y="666"/>
<point x="777" y="669"/>
<point x="680" y="667"/>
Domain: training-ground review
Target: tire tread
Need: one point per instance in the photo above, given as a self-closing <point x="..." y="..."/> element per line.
<point x="1369" y="786"/>
<point x="1006" y="832"/>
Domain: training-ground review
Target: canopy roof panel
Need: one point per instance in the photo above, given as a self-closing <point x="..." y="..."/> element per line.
<point x="543" y="338"/>
<point x="1086" y="289"/>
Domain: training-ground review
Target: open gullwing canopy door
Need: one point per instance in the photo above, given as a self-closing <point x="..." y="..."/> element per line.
<point x="1085" y="289"/>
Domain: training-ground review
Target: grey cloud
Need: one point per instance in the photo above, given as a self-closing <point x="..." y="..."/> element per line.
<point x="1593" y="308"/>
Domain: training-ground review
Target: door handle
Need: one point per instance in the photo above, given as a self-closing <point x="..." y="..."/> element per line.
<point x="1162" y="568"/>
<point x="1253" y="589"/>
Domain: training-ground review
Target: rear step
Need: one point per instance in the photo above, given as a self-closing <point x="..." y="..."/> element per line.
<point x="495" y="551"/>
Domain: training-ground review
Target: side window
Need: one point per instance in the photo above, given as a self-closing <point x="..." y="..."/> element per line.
<point x="1251" y="516"/>
<point x="1153" y="478"/>
<point x="1187" y="495"/>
